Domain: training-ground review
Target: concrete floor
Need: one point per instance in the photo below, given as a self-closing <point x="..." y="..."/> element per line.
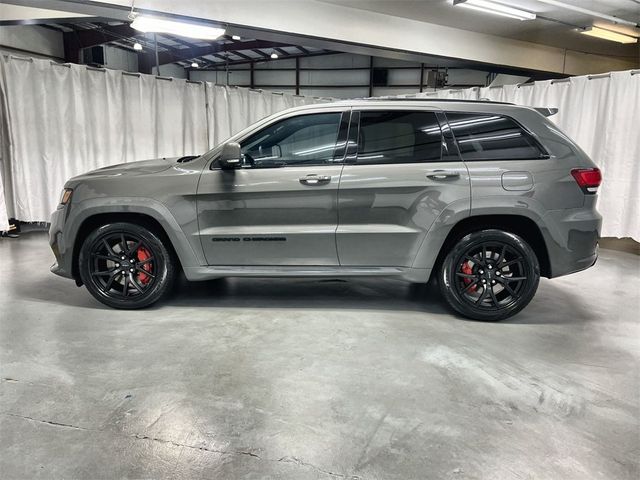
<point x="317" y="379"/>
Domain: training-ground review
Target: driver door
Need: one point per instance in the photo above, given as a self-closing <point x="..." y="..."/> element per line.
<point x="280" y="207"/>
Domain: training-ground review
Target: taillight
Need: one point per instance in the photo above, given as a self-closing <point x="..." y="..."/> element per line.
<point x="589" y="179"/>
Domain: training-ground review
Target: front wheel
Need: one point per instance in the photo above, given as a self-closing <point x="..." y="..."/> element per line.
<point x="489" y="275"/>
<point x="126" y="266"/>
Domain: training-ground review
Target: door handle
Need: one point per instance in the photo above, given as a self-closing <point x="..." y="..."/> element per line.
<point x="442" y="174"/>
<point x="315" y="179"/>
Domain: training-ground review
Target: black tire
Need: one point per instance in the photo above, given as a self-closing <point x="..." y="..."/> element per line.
<point x="489" y="275"/>
<point x="130" y="277"/>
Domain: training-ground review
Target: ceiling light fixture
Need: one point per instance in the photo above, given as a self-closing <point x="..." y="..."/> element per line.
<point x="149" y="24"/>
<point x="195" y="65"/>
<point x="235" y="37"/>
<point x="489" y="6"/>
<point x="608" y="35"/>
<point x="274" y="55"/>
<point x="137" y="47"/>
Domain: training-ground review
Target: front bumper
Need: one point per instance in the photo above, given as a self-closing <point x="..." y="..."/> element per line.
<point x="64" y="255"/>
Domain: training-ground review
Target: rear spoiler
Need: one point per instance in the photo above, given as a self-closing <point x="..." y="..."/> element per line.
<point x="547" y="112"/>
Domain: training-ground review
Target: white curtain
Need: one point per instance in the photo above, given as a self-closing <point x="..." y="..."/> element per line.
<point x="63" y="120"/>
<point x="601" y="113"/>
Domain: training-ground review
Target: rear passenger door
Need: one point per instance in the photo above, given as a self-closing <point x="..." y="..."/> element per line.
<point x="401" y="175"/>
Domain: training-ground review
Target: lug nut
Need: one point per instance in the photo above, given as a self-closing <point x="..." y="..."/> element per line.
<point x="117" y="265"/>
<point x="484" y="281"/>
<point x="493" y="282"/>
<point x="490" y="267"/>
<point x="123" y="257"/>
<point x="498" y="273"/>
<point x="481" y="272"/>
<point x="131" y="270"/>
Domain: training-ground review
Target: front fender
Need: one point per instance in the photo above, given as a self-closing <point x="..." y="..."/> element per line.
<point x="186" y="246"/>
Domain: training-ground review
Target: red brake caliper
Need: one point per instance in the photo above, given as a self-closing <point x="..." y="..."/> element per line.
<point x="143" y="254"/>
<point x="466" y="268"/>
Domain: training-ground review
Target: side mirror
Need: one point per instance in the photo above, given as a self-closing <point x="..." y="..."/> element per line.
<point x="231" y="156"/>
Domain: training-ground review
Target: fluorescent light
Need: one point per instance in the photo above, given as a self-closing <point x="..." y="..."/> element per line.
<point x="195" y="65"/>
<point x="608" y="35"/>
<point x="146" y="24"/>
<point x="274" y="55"/>
<point x="235" y="37"/>
<point x="488" y="6"/>
<point x="137" y="46"/>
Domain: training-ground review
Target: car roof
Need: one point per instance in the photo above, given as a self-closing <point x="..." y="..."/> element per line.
<point x="442" y="103"/>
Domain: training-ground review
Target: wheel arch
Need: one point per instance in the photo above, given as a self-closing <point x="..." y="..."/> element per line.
<point x="520" y="225"/>
<point x="97" y="220"/>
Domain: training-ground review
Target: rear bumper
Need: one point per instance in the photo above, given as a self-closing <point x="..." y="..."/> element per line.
<point x="572" y="239"/>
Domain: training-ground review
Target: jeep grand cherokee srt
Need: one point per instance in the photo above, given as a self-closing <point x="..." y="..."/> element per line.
<point x="484" y="196"/>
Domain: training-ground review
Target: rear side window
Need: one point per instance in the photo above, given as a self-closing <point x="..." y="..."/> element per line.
<point x="398" y="137"/>
<point x="492" y="137"/>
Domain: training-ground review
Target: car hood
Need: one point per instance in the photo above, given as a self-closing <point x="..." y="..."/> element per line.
<point x="143" y="167"/>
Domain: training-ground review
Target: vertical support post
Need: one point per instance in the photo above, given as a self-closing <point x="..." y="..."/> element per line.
<point x="297" y="76"/>
<point x="252" y="82"/>
<point x="155" y="40"/>
<point x="421" y="77"/>
<point x="371" y="76"/>
<point x="72" y="47"/>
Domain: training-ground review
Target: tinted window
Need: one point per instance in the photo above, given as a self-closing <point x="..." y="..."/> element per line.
<point x="399" y="137"/>
<point x="301" y="140"/>
<point x="491" y="137"/>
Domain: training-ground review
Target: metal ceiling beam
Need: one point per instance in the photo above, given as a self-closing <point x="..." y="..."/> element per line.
<point x="260" y="52"/>
<point x="196" y="52"/>
<point x="242" y="55"/>
<point x="266" y="58"/>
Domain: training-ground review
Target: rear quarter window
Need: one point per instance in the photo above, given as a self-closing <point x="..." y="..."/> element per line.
<point x="492" y="137"/>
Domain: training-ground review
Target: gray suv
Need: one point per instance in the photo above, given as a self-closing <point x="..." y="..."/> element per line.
<point x="484" y="196"/>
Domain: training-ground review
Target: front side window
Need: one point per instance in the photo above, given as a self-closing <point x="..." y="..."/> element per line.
<point x="492" y="137"/>
<point x="398" y="137"/>
<point x="302" y="140"/>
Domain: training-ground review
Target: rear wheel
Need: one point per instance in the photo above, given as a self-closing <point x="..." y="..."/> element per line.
<point x="126" y="266"/>
<point x="489" y="275"/>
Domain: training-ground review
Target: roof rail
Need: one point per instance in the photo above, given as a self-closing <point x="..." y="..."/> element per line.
<point x="453" y="100"/>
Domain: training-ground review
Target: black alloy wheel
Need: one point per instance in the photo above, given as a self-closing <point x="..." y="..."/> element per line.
<point x="490" y="275"/>
<point x="126" y="266"/>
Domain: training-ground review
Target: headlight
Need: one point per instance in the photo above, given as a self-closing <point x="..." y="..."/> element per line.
<point x="66" y="196"/>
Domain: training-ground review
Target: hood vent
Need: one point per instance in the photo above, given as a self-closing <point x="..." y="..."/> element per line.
<point x="188" y="158"/>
